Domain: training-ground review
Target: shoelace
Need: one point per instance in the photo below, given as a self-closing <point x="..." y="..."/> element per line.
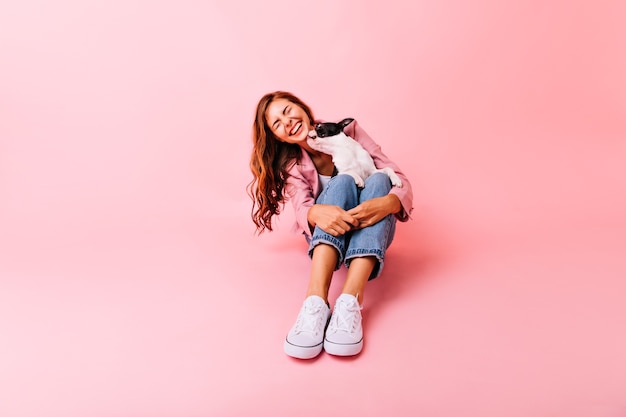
<point x="309" y="320"/>
<point x="345" y="316"/>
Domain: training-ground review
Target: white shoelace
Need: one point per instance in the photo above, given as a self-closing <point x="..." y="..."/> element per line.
<point x="345" y="316"/>
<point x="309" y="320"/>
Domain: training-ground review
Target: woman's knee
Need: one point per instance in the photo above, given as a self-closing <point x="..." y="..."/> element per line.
<point x="340" y="191"/>
<point x="343" y="181"/>
<point x="378" y="183"/>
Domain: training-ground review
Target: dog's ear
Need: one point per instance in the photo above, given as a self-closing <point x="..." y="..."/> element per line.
<point x="345" y="122"/>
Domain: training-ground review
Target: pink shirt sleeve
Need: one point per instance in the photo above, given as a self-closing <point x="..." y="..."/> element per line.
<point x="302" y="188"/>
<point x="302" y="185"/>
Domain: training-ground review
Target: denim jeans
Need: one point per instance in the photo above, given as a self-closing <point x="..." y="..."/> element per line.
<point x="370" y="241"/>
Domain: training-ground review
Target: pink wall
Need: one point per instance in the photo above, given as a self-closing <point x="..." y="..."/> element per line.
<point x="125" y="127"/>
<point x="112" y="111"/>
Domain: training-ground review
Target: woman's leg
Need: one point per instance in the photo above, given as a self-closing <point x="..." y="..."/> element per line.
<point x="327" y="251"/>
<point x="364" y="258"/>
<point x="306" y="337"/>
<point x="358" y="274"/>
<point x="366" y="251"/>
<point x="324" y="262"/>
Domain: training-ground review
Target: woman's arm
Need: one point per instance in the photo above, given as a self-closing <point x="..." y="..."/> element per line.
<point x="298" y="189"/>
<point x="372" y="211"/>
<point x="332" y="219"/>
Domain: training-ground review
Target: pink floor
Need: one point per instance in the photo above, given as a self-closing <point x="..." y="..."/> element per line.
<point x="159" y="317"/>
<point x="131" y="283"/>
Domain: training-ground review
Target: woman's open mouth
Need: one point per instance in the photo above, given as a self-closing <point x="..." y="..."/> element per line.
<point x="295" y="129"/>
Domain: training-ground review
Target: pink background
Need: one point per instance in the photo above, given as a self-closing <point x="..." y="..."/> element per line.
<point x="131" y="283"/>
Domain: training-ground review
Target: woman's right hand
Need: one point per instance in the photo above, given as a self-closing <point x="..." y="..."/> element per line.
<point x="332" y="219"/>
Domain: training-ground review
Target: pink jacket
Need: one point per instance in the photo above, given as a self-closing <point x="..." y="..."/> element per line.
<point x="303" y="186"/>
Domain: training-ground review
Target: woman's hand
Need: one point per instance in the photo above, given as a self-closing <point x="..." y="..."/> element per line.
<point x="372" y="211"/>
<point x="332" y="219"/>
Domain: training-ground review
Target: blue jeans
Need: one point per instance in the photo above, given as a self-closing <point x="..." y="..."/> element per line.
<point x="370" y="241"/>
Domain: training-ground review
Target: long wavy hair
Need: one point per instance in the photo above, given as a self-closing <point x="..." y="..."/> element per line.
<point x="270" y="162"/>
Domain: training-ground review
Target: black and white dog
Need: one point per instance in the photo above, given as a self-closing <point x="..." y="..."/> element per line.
<point x="348" y="155"/>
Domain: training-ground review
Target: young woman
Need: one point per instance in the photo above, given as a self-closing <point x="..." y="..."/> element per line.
<point x="341" y="222"/>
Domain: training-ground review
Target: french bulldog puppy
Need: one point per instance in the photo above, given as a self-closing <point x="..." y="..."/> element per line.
<point x="348" y="155"/>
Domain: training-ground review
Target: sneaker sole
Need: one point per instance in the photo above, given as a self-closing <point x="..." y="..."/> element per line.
<point x="302" y="352"/>
<point x="339" y="349"/>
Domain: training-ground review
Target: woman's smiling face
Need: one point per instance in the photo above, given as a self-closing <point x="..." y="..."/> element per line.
<point x="288" y="121"/>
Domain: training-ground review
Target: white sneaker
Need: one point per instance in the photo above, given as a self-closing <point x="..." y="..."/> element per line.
<point x="344" y="336"/>
<point x="305" y="340"/>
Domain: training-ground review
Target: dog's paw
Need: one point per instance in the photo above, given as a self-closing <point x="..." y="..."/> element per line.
<point x="396" y="182"/>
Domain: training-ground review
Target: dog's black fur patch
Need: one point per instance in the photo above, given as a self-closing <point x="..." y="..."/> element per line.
<point x="331" y="129"/>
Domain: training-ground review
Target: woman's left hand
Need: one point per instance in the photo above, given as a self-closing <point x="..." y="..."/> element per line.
<point x="372" y="211"/>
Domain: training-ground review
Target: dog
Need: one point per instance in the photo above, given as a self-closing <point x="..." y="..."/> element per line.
<point x="348" y="155"/>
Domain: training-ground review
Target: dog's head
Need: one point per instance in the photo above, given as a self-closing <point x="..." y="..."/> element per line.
<point x="327" y="129"/>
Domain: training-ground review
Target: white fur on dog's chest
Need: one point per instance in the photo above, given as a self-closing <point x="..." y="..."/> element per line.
<point x="349" y="155"/>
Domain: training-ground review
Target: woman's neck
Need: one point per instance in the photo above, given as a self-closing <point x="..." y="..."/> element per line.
<point x="323" y="162"/>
